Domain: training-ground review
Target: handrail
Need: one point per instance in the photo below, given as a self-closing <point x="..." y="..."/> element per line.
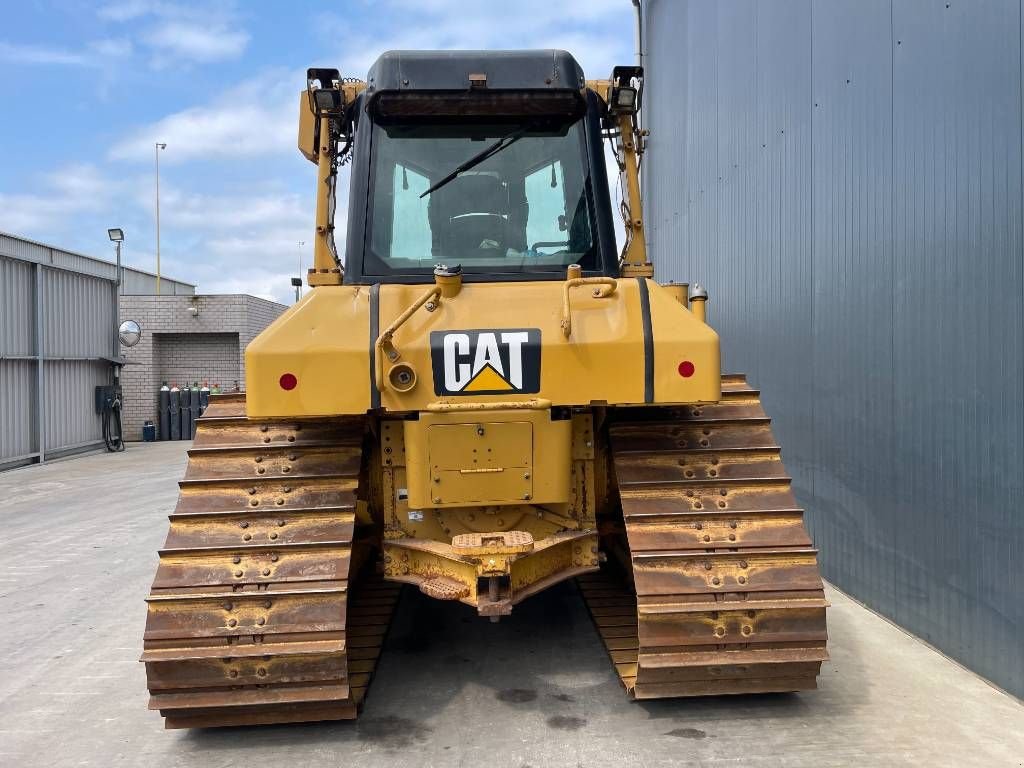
<point x="609" y="284"/>
<point x="385" y="337"/>
<point x="536" y="404"/>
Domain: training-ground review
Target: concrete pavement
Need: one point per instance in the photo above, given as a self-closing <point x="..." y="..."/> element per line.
<point x="78" y="554"/>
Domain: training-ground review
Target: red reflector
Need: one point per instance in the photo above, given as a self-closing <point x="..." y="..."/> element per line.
<point x="288" y="381"/>
<point x="686" y="369"/>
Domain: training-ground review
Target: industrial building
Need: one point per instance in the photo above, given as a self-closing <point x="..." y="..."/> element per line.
<point x="191" y="339"/>
<point x="57" y="341"/>
<point x="845" y="179"/>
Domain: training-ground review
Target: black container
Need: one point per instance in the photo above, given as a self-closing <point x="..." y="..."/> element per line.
<point x="164" y="406"/>
<point x="174" y="412"/>
<point x="185" y="401"/>
<point x="149" y="432"/>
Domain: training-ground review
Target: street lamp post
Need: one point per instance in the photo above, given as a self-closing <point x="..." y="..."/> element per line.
<point x="116" y="236"/>
<point x="156" y="151"/>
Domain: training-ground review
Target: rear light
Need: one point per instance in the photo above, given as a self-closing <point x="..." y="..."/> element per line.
<point x="686" y="369"/>
<point x="288" y="381"/>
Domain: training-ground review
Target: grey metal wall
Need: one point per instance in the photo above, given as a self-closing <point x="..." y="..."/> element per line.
<point x="136" y="282"/>
<point x="846" y="178"/>
<point x="56" y="338"/>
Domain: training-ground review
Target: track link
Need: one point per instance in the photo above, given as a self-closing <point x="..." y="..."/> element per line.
<point x="252" y="617"/>
<point x="722" y="593"/>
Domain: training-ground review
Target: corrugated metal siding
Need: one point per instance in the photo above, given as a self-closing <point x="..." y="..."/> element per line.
<point x="136" y="281"/>
<point x="17" y="320"/>
<point x="79" y="315"/>
<point x="17" y="416"/>
<point x="77" y="328"/>
<point x="70" y="412"/>
<point x="846" y="177"/>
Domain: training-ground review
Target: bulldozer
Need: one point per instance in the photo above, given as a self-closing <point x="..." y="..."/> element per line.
<point x="480" y="396"/>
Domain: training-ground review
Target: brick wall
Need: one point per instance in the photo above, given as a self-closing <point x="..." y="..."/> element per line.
<point x="181" y="358"/>
<point x="181" y="346"/>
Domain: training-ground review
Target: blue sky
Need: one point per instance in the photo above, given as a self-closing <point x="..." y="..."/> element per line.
<point x="88" y="89"/>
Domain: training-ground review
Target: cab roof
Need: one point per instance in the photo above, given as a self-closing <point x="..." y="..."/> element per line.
<point x="451" y="70"/>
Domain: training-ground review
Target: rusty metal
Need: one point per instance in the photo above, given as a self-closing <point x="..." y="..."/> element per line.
<point x="720" y="592"/>
<point x="256" y="615"/>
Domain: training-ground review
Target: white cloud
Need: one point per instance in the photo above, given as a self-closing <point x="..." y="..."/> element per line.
<point x="78" y="189"/>
<point x="195" y="42"/>
<point x="197" y="32"/>
<point x="255" y="118"/>
<point x="41" y="54"/>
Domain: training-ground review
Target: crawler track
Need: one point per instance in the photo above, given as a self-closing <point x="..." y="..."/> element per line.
<point x="722" y="593"/>
<point x="254" y="615"/>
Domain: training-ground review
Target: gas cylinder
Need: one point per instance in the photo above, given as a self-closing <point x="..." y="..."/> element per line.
<point x="163" y="404"/>
<point x="174" y="411"/>
<point x="193" y="411"/>
<point x="204" y="397"/>
<point x="186" y="412"/>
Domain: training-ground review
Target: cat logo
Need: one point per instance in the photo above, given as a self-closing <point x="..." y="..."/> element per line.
<point x="485" y="361"/>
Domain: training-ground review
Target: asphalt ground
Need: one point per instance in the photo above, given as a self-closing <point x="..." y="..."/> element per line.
<point x="78" y="553"/>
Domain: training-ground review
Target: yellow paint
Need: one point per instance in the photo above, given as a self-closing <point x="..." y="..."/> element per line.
<point x="445" y="453"/>
<point x="487" y="379"/>
<point x="324" y="340"/>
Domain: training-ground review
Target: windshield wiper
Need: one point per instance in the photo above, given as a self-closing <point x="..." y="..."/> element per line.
<point x="505" y="141"/>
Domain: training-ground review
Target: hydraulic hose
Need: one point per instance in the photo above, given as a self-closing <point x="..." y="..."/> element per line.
<point x="114" y="440"/>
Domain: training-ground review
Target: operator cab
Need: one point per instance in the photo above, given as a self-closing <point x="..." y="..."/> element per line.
<point x="489" y="160"/>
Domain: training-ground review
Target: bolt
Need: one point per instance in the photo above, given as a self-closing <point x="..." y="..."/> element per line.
<point x="273" y="536"/>
<point x="244" y="524"/>
<point x="286" y="470"/>
<point x="266" y="603"/>
<point x="232" y="622"/>
<point x="251" y="491"/>
<point x="233" y="673"/>
<point x="266" y="571"/>
<point x="236" y="559"/>
<point x="261" y="621"/>
<point x="264" y="428"/>
<point x="247" y="537"/>
<point x="292" y="457"/>
<point x="526" y="475"/>
<point x="238" y="574"/>
<point x="273" y="557"/>
<point x="732" y="537"/>
<point x="719" y="631"/>
<point x="746" y="630"/>
<point x="743" y="563"/>
<point x="228" y="606"/>
<point x="287" y="489"/>
<point x="259" y="459"/>
<point x="280" y="523"/>
<point x="254" y="502"/>
<point x="716" y="581"/>
<point x="261" y="672"/>
<point x="742" y="579"/>
<point x="707" y="565"/>
<point x="280" y="502"/>
<point x="707" y="538"/>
